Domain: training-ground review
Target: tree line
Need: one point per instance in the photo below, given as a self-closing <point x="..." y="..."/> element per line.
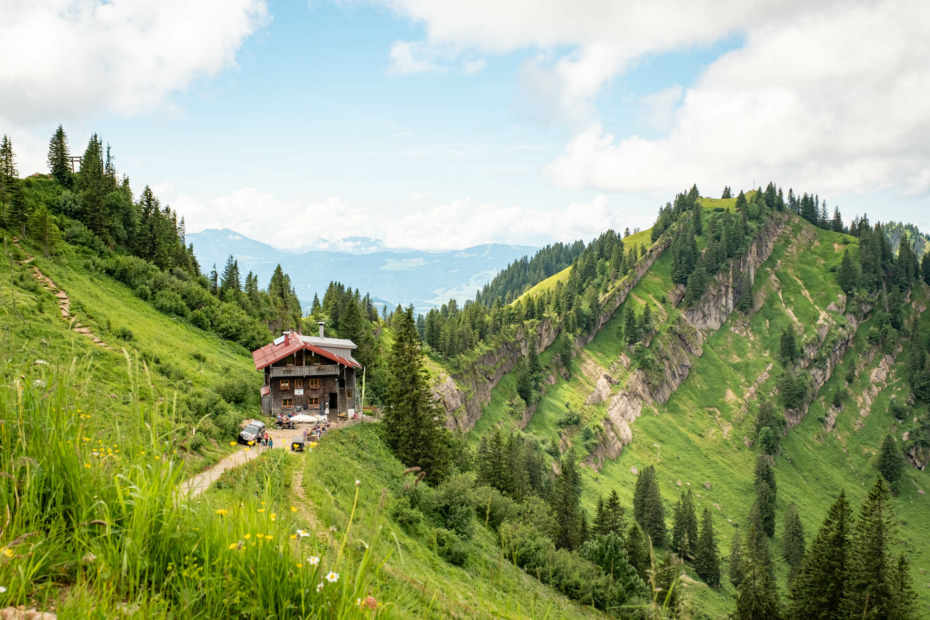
<point x="138" y="241"/>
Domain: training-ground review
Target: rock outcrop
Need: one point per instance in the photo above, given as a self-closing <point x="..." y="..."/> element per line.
<point x="680" y="345"/>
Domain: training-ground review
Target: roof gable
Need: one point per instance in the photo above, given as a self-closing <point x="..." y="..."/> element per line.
<point x="293" y="342"/>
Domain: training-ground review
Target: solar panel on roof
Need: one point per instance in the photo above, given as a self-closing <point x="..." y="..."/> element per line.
<point x="278" y="340"/>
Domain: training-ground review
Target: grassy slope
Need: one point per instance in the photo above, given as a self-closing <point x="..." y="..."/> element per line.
<point x="414" y="580"/>
<point x="37" y="331"/>
<point x="698" y="436"/>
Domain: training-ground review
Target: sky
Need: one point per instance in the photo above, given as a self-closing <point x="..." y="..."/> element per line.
<point x="443" y="125"/>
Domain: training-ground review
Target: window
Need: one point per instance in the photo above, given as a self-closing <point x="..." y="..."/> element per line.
<point x="315" y="384"/>
<point x="287" y="403"/>
<point x="313" y="402"/>
<point x="298" y="383"/>
<point x="285" y="384"/>
<point x="349" y="393"/>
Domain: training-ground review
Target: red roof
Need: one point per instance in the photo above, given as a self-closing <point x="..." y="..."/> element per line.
<point x="271" y="353"/>
<point x="266" y="390"/>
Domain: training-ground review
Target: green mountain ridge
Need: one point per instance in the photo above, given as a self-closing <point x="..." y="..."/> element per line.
<point x="670" y="353"/>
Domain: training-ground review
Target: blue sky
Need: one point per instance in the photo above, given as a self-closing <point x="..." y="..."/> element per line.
<point x="442" y="125"/>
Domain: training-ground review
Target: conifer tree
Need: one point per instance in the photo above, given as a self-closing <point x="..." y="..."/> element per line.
<point x="412" y="427"/>
<point x="565" y="504"/>
<point x="706" y="555"/>
<point x="630" y="325"/>
<point x="648" y="510"/>
<point x="874" y="584"/>
<point x="91" y="184"/>
<point x="925" y="268"/>
<point x="726" y="193"/>
<point x="847" y="276"/>
<point x="59" y="162"/>
<point x="646" y="323"/>
<point x="736" y="560"/>
<point x="757" y="598"/>
<point x="820" y="582"/>
<point x="744" y="304"/>
<point x="792" y="541"/>
<point x="890" y="461"/>
<point x="8" y="177"/>
<point x="609" y="517"/>
<point x="44" y="229"/>
<point x="637" y="550"/>
<point x="19" y="208"/>
<point x="741" y="203"/>
<point x="685" y="527"/>
<point x="765" y="494"/>
<point x="788" y="349"/>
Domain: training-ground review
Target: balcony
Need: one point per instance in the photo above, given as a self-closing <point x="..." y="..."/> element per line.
<point x="322" y="370"/>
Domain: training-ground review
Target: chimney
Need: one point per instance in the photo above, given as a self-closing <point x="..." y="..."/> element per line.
<point x="321" y="324"/>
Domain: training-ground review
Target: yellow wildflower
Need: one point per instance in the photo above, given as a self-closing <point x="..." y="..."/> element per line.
<point x="261" y="510"/>
<point x="233" y="545"/>
<point x="247" y="536"/>
<point x="293" y="509"/>
<point x="222" y="511"/>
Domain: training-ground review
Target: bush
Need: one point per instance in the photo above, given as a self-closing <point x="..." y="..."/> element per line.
<point x="450" y="548"/>
<point x="237" y="392"/>
<point x="899" y="411"/>
<point x="170" y="302"/>
<point x="454" y="503"/>
<point x="569" y="418"/>
<point x="123" y="333"/>
<point x="409" y="518"/>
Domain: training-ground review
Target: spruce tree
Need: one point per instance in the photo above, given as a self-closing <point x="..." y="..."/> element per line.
<point x="707" y="557"/>
<point x="8" y="177"/>
<point x="59" y="163"/>
<point x="412" y="427"/>
<point x="609" y="516"/>
<point x="726" y="193"/>
<point x="757" y="598"/>
<point x="91" y="183"/>
<point x="744" y="304"/>
<point x="847" y="276"/>
<point x="648" y="510"/>
<point x="741" y="203"/>
<point x="890" y="461"/>
<point x="765" y="494"/>
<point x="630" y="325"/>
<point x="19" y="208"/>
<point x="565" y="504"/>
<point x="788" y="348"/>
<point x="925" y="268"/>
<point x="685" y="527"/>
<point x="820" y="583"/>
<point x="792" y="541"/>
<point x="637" y="550"/>
<point x="736" y="560"/>
<point x="874" y="584"/>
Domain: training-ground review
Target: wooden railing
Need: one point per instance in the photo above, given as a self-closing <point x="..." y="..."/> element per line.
<point x="305" y="371"/>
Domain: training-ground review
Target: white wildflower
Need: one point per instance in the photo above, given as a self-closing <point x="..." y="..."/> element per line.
<point x="313" y="560"/>
<point x="332" y="577"/>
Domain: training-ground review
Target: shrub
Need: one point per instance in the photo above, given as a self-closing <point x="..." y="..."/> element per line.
<point x="569" y="418"/>
<point x="123" y="333"/>
<point x="450" y="547"/>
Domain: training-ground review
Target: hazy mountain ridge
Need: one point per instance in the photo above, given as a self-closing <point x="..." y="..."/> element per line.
<point x="423" y="278"/>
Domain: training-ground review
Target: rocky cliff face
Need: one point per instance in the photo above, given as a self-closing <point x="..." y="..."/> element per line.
<point x="677" y="349"/>
<point x="463" y="395"/>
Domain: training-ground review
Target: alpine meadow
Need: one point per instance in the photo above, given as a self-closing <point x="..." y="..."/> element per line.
<point x="700" y="394"/>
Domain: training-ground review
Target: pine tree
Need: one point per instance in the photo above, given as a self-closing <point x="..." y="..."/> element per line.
<point x="890" y="461"/>
<point x="412" y="427"/>
<point x="565" y="505"/>
<point x="726" y="193"/>
<point x="765" y="494"/>
<point x="44" y="229"/>
<point x="91" y="185"/>
<point x="741" y="203"/>
<point x="847" y="276"/>
<point x="706" y="556"/>
<point x="648" y="510"/>
<point x="59" y="157"/>
<point x="736" y="560"/>
<point x="788" y="349"/>
<point x="792" y="541"/>
<point x="874" y="583"/>
<point x="925" y="268"/>
<point x="630" y="325"/>
<point x="685" y="527"/>
<point x="757" y="598"/>
<point x="609" y="517"/>
<point x="637" y="550"/>
<point x="646" y="323"/>
<point x="19" y="208"/>
<point x="820" y="583"/>
<point x="8" y="177"/>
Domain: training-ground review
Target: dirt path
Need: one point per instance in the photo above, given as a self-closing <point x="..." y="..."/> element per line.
<point x="64" y="302"/>
<point x="202" y="481"/>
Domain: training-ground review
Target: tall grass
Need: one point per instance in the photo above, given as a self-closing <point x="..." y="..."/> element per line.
<point x="99" y="529"/>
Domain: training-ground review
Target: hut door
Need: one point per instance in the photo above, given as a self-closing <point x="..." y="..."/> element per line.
<point x="332" y="401"/>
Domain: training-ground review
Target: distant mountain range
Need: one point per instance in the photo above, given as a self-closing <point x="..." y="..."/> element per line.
<point x="393" y="276"/>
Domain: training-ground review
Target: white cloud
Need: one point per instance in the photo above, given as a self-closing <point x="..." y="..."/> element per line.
<point x="407" y="58"/>
<point x="454" y="225"/>
<point x="658" y="109"/>
<point x="70" y="60"/>
<point x="124" y="56"/>
<point x="473" y="67"/>
<point x="835" y="101"/>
